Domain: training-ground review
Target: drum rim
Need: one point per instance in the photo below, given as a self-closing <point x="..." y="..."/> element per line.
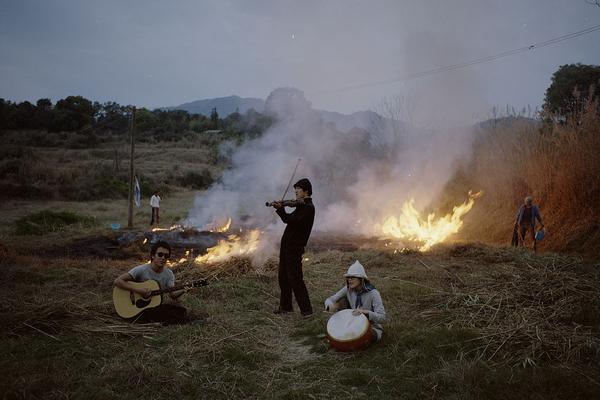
<point x="367" y="327"/>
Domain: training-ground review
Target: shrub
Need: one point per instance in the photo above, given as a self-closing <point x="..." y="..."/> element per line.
<point x="197" y="180"/>
<point x="48" y="221"/>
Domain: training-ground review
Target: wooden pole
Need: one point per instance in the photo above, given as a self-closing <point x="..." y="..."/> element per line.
<point x="131" y="130"/>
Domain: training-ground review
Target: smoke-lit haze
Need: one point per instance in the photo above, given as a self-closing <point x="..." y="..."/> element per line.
<point x="157" y="53"/>
<point x="359" y="177"/>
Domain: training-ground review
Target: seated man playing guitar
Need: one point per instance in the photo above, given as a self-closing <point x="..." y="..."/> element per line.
<point x="155" y="270"/>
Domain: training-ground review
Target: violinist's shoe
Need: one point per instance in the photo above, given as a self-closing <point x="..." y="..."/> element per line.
<point x="281" y="311"/>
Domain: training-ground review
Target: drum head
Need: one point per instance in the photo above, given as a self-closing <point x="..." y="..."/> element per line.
<point x="343" y="326"/>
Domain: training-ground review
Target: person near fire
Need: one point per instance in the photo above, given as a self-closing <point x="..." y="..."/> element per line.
<point x="527" y="216"/>
<point x="155" y="205"/>
<point x="297" y="231"/>
<point x="169" y="312"/>
<point x="360" y="295"/>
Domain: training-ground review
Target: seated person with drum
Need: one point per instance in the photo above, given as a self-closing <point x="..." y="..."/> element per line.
<point x="362" y="298"/>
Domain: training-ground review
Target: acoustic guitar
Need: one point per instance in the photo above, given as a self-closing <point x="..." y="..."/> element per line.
<point x="128" y="304"/>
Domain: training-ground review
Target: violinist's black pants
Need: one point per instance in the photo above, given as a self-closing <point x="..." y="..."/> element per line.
<point x="291" y="280"/>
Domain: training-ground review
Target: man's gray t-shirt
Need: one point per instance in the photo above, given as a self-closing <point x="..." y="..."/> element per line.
<point x="144" y="272"/>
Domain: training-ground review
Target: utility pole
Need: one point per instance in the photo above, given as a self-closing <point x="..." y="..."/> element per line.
<point x="130" y="197"/>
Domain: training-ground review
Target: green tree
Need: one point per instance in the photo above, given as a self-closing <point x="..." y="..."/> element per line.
<point x="572" y="85"/>
<point x="42" y="115"/>
<point x="214" y="117"/>
<point x="72" y="113"/>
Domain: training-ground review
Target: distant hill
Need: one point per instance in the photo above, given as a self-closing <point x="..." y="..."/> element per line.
<point x="228" y="105"/>
<point x="224" y="105"/>
<point x="360" y="119"/>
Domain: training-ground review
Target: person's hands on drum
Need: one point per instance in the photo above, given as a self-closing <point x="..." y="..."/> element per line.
<point x="329" y="306"/>
<point x="358" y="311"/>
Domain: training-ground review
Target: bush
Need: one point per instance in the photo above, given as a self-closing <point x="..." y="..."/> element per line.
<point x="48" y="221"/>
<point x="197" y="180"/>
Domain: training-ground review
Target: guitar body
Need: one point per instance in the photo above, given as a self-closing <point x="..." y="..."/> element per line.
<point x="129" y="304"/>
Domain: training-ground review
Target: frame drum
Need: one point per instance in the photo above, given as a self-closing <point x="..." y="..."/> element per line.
<point x="347" y="332"/>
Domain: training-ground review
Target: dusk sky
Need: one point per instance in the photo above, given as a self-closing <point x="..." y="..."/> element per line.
<point x="163" y="53"/>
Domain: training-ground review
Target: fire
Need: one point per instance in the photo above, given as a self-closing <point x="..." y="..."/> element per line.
<point x="225" y="227"/>
<point x="213" y="227"/>
<point x="167" y="229"/>
<point x="409" y="225"/>
<point x="234" y="246"/>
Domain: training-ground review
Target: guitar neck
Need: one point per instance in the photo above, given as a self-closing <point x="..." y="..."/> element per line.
<point x="175" y="288"/>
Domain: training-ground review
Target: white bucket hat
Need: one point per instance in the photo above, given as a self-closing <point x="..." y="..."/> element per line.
<point x="356" y="270"/>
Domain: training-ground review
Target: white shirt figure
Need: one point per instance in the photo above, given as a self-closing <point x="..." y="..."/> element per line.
<point x="155" y="201"/>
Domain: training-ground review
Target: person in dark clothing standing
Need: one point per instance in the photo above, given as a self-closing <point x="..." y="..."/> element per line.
<point x="294" y="239"/>
<point x="525" y="222"/>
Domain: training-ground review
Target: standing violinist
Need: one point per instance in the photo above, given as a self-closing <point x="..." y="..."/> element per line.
<point x="294" y="239"/>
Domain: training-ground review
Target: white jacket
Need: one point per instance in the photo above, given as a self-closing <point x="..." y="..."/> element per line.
<point x="371" y="301"/>
<point x="155" y="201"/>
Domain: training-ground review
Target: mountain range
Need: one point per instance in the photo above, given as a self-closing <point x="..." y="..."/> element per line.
<point x="230" y="104"/>
<point x="343" y="122"/>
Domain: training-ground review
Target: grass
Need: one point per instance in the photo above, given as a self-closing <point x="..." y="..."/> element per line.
<point x="246" y="352"/>
<point x="47" y="221"/>
<point x="174" y="208"/>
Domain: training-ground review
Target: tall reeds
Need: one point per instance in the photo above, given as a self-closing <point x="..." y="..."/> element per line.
<point x="556" y="162"/>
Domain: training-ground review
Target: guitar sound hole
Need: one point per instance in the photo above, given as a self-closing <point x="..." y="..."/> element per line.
<point x="141" y="303"/>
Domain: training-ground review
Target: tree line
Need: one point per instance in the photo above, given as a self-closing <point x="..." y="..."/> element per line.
<point x="76" y="113"/>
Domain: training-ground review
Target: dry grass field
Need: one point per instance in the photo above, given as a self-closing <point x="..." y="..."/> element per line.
<point x="466" y="321"/>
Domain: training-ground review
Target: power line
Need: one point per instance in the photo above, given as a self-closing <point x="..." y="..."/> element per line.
<point x="465" y="64"/>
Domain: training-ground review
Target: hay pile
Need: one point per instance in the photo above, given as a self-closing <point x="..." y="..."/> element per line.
<point x="527" y="312"/>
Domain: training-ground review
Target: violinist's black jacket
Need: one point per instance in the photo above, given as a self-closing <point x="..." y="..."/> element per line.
<point x="299" y="225"/>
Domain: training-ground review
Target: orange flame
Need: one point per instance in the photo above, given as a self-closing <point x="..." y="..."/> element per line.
<point x="409" y="225"/>
<point x="234" y="246"/>
<point x="167" y="229"/>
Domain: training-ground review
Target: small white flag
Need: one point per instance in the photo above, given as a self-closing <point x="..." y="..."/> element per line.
<point x="137" y="193"/>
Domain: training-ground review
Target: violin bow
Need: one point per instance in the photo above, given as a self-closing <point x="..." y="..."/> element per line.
<point x="291" y="179"/>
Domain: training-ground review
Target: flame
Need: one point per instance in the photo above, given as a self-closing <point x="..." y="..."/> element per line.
<point x="221" y="229"/>
<point x="167" y="229"/>
<point x="225" y="227"/>
<point x="409" y="225"/>
<point x="234" y="246"/>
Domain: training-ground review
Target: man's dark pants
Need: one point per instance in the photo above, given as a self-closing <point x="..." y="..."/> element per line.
<point x="291" y="280"/>
<point x="523" y="229"/>
<point x="165" y="313"/>
<point x="155" y="215"/>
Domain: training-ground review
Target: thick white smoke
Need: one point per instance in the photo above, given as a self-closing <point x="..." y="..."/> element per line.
<point x="359" y="176"/>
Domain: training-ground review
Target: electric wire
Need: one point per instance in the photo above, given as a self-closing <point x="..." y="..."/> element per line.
<point x="465" y="64"/>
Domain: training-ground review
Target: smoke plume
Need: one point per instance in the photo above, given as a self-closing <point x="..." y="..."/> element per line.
<point x="359" y="176"/>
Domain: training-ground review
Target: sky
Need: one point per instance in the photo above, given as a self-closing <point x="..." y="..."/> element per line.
<point x="162" y="53"/>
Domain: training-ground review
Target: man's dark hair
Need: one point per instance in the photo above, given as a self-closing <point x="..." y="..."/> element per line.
<point x="155" y="246"/>
<point x="305" y="185"/>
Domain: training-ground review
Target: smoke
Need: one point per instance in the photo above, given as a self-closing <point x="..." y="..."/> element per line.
<point x="359" y="176"/>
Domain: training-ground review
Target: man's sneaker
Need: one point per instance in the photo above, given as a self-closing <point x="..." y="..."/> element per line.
<point x="280" y="311"/>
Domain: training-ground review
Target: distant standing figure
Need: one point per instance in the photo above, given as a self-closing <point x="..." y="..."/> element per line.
<point x="526" y="219"/>
<point x="155" y="204"/>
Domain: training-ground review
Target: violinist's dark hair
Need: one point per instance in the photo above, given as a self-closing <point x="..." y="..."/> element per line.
<point x="305" y="185"/>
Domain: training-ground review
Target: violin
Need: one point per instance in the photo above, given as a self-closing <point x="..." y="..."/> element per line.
<point x="286" y="203"/>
